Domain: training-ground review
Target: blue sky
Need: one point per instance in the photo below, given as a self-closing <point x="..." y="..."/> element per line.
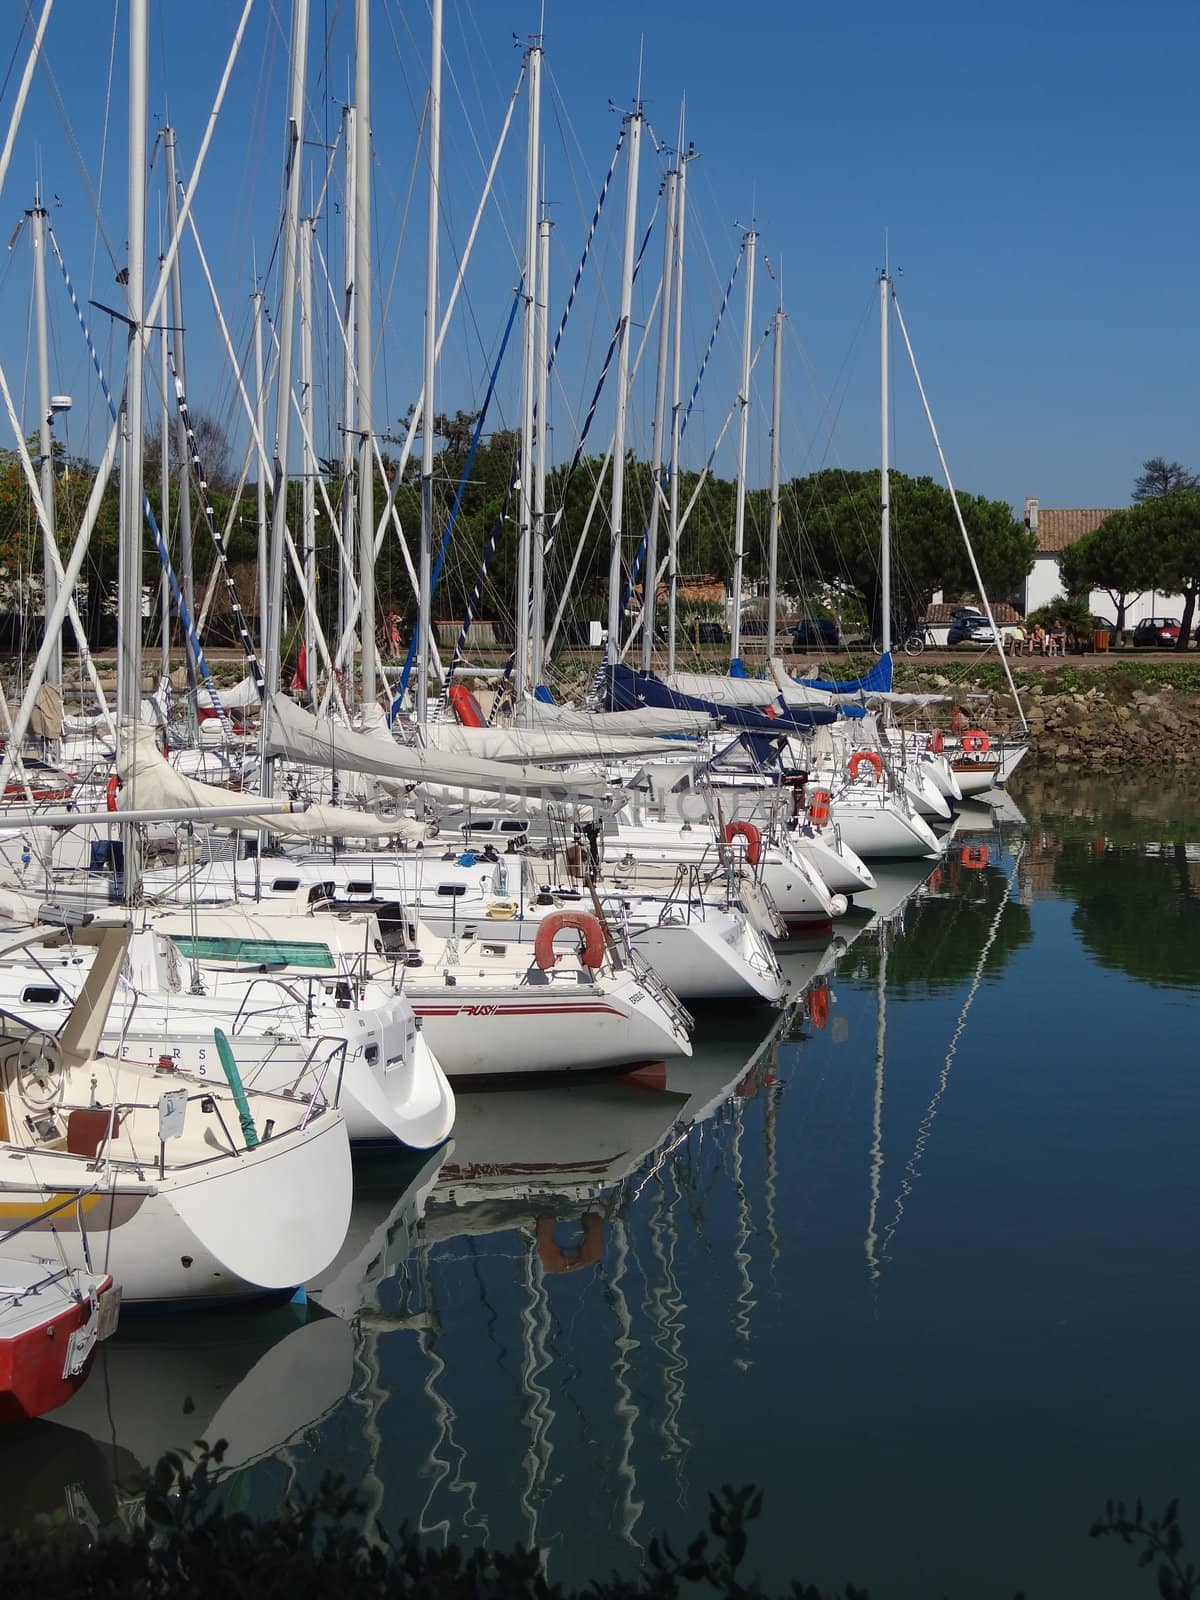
<point x="1034" y="165"/>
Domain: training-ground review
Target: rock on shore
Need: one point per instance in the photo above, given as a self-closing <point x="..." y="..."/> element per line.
<point x="1100" y="728"/>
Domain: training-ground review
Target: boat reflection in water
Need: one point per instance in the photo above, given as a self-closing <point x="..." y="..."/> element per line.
<point x="552" y="1288"/>
<point x="259" y="1380"/>
<point x="541" y="1311"/>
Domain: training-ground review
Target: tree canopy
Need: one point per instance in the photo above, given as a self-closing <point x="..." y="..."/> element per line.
<point x="829" y="534"/>
<point x="834" y="531"/>
<point x="1160" y="476"/>
<point x="1112" y="558"/>
<point x="1154" y="545"/>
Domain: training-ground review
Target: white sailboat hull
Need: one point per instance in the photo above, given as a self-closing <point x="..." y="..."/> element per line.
<point x="479" y="1030"/>
<point x="262" y="1222"/>
<point x="879" y="830"/>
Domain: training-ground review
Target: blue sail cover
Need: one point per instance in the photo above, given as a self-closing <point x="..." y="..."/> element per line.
<point x="626" y="690"/>
<point x="877" y="681"/>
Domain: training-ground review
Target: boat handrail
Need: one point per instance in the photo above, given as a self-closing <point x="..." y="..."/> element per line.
<point x="337" y="1053"/>
<point x="305" y="1000"/>
<point x="110" y="1163"/>
<point x="15" y="1293"/>
<point x="666" y="997"/>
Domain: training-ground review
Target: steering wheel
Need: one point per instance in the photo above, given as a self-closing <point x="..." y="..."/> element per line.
<point x="38" y="1070"/>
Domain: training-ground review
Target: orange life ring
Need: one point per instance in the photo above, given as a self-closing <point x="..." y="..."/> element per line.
<point x="753" y="838"/>
<point x="818" y="807"/>
<point x="110" y="794"/>
<point x="466" y="708"/>
<point x="934" y="882"/>
<point x="770" y="711"/>
<point x="870" y="757"/>
<point x="818" y="1005"/>
<point x="974" y="856"/>
<point x="555" y="1259"/>
<point x="976" y="741"/>
<point x="936" y="743"/>
<point x="583" y="922"/>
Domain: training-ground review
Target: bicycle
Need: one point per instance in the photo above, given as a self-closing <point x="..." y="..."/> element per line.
<point x="913" y="642"/>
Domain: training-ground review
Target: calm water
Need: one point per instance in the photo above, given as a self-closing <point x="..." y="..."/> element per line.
<point x="927" y="1273"/>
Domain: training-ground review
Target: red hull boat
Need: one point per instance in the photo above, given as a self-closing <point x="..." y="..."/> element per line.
<point x="50" y="1324"/>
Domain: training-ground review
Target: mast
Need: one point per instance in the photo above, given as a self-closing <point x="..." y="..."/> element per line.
<point x="45" y="427"/>
<point x="650" y="576"/>
<point x="632" y="154"/>
<point x="187" y="581"/>
<point x="529" y="383"/>
<point x="308" y="496"/>
<point x="287" y="320"/>
<point x="425" y="573"/>
<point x="164" y="477"/>
<point x="129" y="615"/>
<point x="349" y="414"/>
<point x="676" y="411"/>
<point x="885" y="473"/>
<point x="773" y="527"/>
<point x="365" y="355"/>
<point x="542" y="365"/>
<point x="260" y="483"/>
<point x="739" y="530"/>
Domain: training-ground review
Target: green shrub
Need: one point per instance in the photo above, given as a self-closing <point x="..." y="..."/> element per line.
<point x="184" y="1546"/>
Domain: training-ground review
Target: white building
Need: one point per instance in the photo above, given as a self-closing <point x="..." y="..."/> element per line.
<point x="1056" y="530"/>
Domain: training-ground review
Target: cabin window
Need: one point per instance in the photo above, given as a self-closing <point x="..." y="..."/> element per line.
<point x="285" y="885"/>
<point x="257" y="952"/>
<point x="514" y="827"/>
<point x="451" y="888"/>
<point x="40" y="995"/>
<point x="359" y="886"/>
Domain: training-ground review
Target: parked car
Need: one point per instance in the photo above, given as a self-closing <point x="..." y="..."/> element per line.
<point x="972" y="628"/>
<point x="817" y="633"/>
<point x="1157" y="632"/>
<point x="1102" y="625"/>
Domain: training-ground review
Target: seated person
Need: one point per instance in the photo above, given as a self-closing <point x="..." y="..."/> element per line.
<point x="1036" y="643"/>
<point x="1014" y="642"/>
<point x="1057" y="645"/>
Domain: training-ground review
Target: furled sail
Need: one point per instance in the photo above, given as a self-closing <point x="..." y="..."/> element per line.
<point x="149" y="784"/>
<point x="753" y="692"/>
<point x="299" y="736"/>
<point x="647" y="719"/>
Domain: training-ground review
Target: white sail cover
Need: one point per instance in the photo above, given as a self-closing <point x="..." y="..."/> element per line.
<point x="643" y="719"/>
<point x="753" y="693"/>
<point x="597" y="742"/>
<point x="299" y="736"/>
<point x="241" y="697"/>
<point x="150" y="784"/>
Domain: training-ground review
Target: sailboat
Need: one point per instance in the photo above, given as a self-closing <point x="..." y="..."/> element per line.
<point x="187" y="1191"/>
<point x="52" y="1321"/>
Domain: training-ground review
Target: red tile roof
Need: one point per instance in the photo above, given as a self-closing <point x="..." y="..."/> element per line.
<point x="938" y="616"/>
<point x="1058" y="529"/>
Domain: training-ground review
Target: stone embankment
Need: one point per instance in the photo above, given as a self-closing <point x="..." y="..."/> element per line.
<point x="1106" y="726"/>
